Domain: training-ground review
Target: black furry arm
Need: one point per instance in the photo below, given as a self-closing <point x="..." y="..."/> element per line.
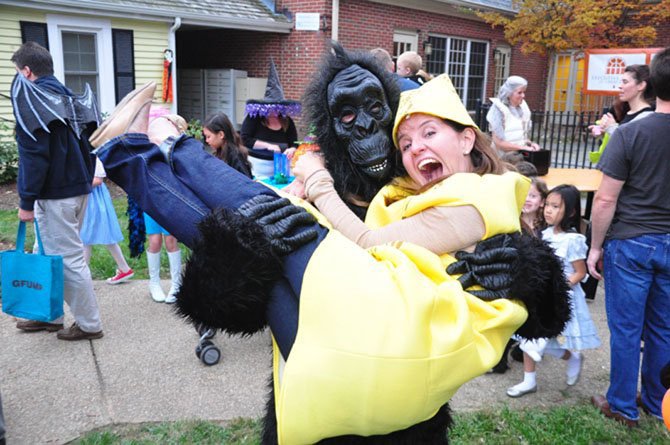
<point x="229" y="275"/>
<point x="538" y="281"/>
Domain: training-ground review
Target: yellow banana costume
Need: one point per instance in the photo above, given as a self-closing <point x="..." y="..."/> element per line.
<point x="385" y="336"/>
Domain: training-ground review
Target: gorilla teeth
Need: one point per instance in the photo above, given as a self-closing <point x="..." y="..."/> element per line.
<point x="378" y="167"/>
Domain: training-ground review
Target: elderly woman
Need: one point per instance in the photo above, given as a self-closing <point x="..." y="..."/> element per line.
<point x="389" y="314"/>
<point x="509" y="117"/>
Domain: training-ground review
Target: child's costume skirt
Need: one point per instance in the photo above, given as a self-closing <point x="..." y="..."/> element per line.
<point x="101" y="225"/>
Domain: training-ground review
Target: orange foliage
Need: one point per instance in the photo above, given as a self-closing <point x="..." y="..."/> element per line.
<point x="559" y="25"/>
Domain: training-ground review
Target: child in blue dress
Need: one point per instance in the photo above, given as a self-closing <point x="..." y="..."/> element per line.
<point x="101" y="226"/>
<point x="562" y="214"/>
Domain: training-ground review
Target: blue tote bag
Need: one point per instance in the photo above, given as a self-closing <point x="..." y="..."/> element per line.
<point x="32" y="284"/>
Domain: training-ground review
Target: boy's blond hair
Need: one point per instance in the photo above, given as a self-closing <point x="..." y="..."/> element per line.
<point x="411" y="60"/>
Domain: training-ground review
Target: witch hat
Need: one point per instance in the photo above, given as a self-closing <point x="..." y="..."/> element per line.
<point x="274" y="103"/>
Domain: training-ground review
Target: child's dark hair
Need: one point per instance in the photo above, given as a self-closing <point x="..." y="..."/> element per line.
<point x="572" y="204"/>
<point x="232" y="152"/>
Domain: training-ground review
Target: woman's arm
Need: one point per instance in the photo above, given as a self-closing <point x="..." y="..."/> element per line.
<point x="438" y="229"/>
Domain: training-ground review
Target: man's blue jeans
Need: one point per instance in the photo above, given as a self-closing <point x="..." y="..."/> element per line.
<point x="637" y="301"/>
<point x="178" y="195"/>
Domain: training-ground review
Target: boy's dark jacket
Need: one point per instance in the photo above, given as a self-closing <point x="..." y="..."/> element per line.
<point x="56" y="166"/>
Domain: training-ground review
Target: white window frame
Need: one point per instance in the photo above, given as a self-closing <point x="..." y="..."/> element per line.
<point x="56" y="24"/>
<point x="449" y="39"/>
<point x="503" y="61"/>
<point x="409" y="39"/>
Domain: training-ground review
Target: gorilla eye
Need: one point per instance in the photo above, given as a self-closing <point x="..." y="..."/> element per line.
<point x="347" y="117"/>
<point x="376" y="108"/>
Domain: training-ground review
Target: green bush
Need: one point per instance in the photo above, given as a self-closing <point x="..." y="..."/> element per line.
<point x="9" y="155"/>
<point x="195" y="129"/>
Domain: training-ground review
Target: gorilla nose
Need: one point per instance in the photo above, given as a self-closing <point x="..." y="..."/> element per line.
<point x="365" y="125"/>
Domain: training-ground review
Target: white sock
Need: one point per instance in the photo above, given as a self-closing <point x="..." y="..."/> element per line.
<point x="574" y="364"/>
<point x="117" y="254"/>
<point x="528" y="381"/>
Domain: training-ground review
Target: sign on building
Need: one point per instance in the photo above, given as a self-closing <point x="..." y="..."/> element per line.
<point x="604" y="67"/>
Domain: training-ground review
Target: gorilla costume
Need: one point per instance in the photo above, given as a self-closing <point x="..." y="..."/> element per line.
<point x="253" y="246"/>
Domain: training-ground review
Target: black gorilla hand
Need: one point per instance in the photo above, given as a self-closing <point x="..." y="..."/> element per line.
<point x="489" y="266"/>
<point x="281" y="222"/>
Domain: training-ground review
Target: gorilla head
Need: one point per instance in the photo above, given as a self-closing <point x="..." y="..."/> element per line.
<point x="351" y="104"/>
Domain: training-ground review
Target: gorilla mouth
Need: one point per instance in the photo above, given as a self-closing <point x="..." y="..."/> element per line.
<point x="377" y="169"/>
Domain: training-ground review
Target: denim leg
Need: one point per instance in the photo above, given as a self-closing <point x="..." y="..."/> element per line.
<point x="283" y="316"/>
<point x="216" y="183"/>
<point x="657" y="326"/>
<point x="628" y="278"/>
<point x="138" y="166"/>
<point x="220" y="186"/>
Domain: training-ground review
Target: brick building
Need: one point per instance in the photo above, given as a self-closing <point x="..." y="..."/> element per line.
<point x="222" y="49"/>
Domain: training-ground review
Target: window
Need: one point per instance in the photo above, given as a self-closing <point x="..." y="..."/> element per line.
<point x="80" y="64"/>
<point x="82" y="53"/>
<point x="404" y="41"/>
<point x="466" y="62"/>
<point x="501" y="57"/>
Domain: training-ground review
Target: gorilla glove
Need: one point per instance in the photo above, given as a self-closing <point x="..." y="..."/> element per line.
<point x="281" y="222"/>
<point x="489" y="266"/>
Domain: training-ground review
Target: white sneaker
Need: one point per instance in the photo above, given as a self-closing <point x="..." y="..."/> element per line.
<point x="156" y="293"/>
<point x="170" y="298"/>
<point x="519" y="391"/>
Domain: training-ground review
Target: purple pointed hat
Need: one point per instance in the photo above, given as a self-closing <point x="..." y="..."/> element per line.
<point x="274" y="103"/>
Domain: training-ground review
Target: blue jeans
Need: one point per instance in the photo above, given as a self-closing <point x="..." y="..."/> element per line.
<point x="637" y="301"/>
<point x="178" y="195"/>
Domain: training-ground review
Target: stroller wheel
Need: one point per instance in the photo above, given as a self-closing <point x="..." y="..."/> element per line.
<point x="210" y="355"/>
<point x="201" y="346"/>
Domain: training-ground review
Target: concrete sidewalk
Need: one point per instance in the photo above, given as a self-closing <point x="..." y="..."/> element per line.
<point x="144" y="369"/>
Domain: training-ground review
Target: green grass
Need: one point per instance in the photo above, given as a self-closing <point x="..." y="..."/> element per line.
<point x="580" y="424"/>
<point x="102" y="265"/>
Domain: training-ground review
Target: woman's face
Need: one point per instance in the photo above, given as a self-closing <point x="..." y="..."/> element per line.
<point x="517" y="96"/>
<point x="629" y="88"/>
<point x="533" y="202"/>
<point x="432" y="150"/>
<point x="214" y="140"/>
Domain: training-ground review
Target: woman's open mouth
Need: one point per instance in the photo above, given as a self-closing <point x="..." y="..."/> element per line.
<point x="430" y="169"/>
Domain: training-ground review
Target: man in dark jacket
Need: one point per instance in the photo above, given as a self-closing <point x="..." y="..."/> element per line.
<point x="55" y="175"/>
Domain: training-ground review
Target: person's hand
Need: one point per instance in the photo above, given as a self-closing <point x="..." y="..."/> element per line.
<point x="273" y="147"/>
<point x="97" y="181"/>
<point x="296" y="188"/>
<point x="595" y="263"/>
<point x="308" y="163"/>
<point x="534" y="147"/>
<point x="289" y="152"/>
<point x="607" y="121"/>
<point x="26" y="215"/>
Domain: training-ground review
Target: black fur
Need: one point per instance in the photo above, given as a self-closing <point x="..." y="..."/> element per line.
<point x="349" y="180"/>
<point x="540" y="284"/>
<point x="229" y="275"/>
<point x="432" y="431"/>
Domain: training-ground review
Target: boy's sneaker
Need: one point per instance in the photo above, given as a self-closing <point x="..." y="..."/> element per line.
<point x="120" y="277"/>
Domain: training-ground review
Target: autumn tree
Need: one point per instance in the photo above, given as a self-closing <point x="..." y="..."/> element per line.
<point x="559" y="25"/>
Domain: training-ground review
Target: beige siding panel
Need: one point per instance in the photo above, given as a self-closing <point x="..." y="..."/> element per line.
<point x="10" y="40"/>
<point x="150" y="39"/>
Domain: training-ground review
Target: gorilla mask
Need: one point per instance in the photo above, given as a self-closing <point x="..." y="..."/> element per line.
<point x="361" y="119"/>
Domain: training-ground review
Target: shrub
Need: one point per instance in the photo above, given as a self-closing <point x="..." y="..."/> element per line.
<point x="9" y="155"/>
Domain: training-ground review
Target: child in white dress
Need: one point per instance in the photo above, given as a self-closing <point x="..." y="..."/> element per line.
<point x="101" y="226"/>
<point x="562" y="214"/>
